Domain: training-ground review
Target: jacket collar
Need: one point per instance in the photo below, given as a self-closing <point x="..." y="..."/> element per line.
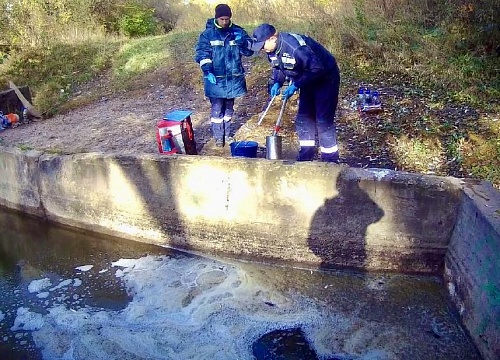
<point x="220" y="27"/>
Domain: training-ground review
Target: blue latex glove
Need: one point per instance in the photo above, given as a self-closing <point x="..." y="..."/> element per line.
<point x="238" y="33"/>
<point x="290" y="90"/>
<point x="239" y="39"/>
<point x="211" y="78"/>
<point x="275" y="90"/>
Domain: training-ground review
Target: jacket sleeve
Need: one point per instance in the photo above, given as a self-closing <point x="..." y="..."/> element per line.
<point x="243" y="40"/>
<point x="278" y="76"/>
<point x="308" y="67"/>
<point x="247" y="41"/>
<point x="203" y="54"/>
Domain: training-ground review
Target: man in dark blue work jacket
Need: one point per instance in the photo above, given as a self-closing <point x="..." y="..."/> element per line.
<point x="313" y="70"/>
<point x="219" y="52"/>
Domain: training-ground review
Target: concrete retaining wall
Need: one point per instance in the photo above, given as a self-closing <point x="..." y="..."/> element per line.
<point x="314" y="214"/>
<point x="473" y="266"/>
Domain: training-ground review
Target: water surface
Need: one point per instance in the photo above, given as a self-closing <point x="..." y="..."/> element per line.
<point x="67" y="294"/>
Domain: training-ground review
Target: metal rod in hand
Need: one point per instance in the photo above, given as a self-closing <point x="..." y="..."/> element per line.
<point x="267" y="109"/>
<point x="278" y="122"/>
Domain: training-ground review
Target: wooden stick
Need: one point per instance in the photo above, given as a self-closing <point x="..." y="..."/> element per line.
<point x="31" y="109"/>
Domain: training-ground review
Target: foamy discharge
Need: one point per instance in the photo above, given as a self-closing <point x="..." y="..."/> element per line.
<point x="185" y="308"/>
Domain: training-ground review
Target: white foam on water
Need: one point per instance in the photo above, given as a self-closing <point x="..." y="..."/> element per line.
<point x="27" y="320"/>
<point x="186" y="308"/>
<point x="39" y="285"/>
<point x="2" y="316"/>
<point x="43" y="295"/>
<point x="84" y="268"/>
<point x="62" y="284"/>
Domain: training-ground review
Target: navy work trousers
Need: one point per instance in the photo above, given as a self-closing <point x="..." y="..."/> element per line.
<point x="317" y="106"/>
<point x="221" y="114"/>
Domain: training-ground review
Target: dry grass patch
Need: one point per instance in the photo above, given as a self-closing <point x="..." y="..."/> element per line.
<point x="417" y="155"/>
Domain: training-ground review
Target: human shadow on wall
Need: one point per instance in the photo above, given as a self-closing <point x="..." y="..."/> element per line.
<point x="338" y="228"/>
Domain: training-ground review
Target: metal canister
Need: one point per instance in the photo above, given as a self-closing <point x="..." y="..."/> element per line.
<point x="274" y="147"/>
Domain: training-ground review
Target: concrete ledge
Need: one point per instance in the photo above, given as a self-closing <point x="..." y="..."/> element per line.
<point x="314" y="214"/>
<point x="473" y="266"/>
<point x="19" y="176"/>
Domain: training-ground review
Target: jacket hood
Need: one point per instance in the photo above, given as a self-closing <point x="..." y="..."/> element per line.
<point x="210" y="24"/>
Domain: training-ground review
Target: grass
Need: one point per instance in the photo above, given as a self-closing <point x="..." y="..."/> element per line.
<point x="417" y="154"/>
<point x="54" y="71"/>
<point x="441" y="92"/>
<point x="25" y="147"/>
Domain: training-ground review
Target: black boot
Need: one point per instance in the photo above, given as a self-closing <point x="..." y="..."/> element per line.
<point x="306" y="153"/>
<point x="333" y="157"/>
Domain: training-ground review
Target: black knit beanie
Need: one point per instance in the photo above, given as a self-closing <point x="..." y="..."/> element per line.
<point x="222" y="10"/>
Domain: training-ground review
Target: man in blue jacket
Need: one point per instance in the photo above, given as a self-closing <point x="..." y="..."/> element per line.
<point x="219" y="52"/>
<point x="313" y="70"/>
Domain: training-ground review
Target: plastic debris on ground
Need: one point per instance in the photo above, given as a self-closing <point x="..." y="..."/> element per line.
<point x="368" y="101"/>
<point x="9" y="120"/>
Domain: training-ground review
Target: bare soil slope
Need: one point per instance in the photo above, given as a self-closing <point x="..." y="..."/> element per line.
<point x="126" y="123"/>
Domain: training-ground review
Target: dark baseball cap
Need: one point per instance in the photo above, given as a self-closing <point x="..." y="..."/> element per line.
<point x="262" y="33"/>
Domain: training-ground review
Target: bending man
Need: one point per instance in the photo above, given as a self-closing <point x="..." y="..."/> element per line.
<point x="314" y="70"/>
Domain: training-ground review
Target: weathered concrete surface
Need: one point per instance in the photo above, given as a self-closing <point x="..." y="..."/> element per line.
<point x="312" y="214"/>
<point x="473" y="266"/>
<point x="19" y="176"/>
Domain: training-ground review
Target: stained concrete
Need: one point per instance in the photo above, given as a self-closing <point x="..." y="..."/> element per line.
<point x="313" y="214"/>
<point x="473" y="266"/>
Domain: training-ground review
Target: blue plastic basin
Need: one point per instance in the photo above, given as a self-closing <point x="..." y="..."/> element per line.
<point x="244" y="148"/>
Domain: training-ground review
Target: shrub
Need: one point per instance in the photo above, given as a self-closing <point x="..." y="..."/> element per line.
<point x="137" y="22"/>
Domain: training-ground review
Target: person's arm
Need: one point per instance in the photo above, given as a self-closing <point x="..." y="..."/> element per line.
<point x="244" y="42"/>
<point x="203" y="54"/>
<point x="278" y="76"/>
<point x="278" y="79"/>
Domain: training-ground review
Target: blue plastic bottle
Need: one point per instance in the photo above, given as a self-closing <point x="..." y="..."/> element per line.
<point x="368" y="96"/>
<point x="4" y="122"/>
<point x="361" y="95"/>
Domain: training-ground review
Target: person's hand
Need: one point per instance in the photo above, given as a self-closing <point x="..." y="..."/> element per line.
<point x="239" y="39"/>
<point x="290" y="90"/>
<point x="211" y="78"/>
<point x="275" y="90"/>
